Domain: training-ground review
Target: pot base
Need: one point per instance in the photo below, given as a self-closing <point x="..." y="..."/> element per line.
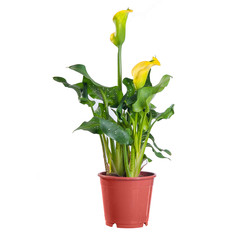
<point x="127" y="225"/>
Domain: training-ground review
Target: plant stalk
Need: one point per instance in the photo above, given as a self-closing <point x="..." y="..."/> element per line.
<point x="132" y="160"/>
<point x="119" y="165"/>
<point x="120" y="67"/>
<point x="141" y="154"/>
<point x="104" y="155"/>
<point x="109" y="157"/>
<point x="141" y="131"/>
<point x="136" y="140"/>
<point x="113" y="150"/>
<point x="126" y="164"/>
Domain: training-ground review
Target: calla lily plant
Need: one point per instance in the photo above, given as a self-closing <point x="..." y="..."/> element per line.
<point x="125" y="137"/>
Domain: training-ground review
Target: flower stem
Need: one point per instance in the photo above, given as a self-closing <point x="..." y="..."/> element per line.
<point x="140" y="131"/>
<point x="140" y="157"/>
<point x="132" y="160"/>
<point x="126" y="164"/>
<point x="109" y="157"/>
<point x="119" y="163"/>
<point x="104" y="155"/>
<point x="120" y="67"/>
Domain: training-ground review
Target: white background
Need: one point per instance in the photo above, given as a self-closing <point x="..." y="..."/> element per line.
<point x="49" y="188"/>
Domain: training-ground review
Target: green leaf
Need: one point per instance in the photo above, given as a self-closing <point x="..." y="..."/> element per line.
<point x="154" y="143"/>
<point x="120" y="108"/>
<point x="61" y="80"/>
<point x="92" y="126"/>
<point x="79" y="88"/>
<point x="130" y="92"/>
<point x="95" y="90"/>
<point x="146" y="94"/>
<point x="144" y="120"/>
<point x="166" y="114"/>
<point x="131" y="100"/>
<point x="153" y="113"/>
<point x="151" y="106"/>
<point x="113" y="94"/>
<point x="148" y="81"/>
<point x="158" y="154"/>
<point x="160" y="149"/>
<point x="130" y="86"/>
<point x="84" y="99"/>
<point x="80" y="68"/>
<point x="101" y="111"/>
<point x="99" y="126"/>
<point x="147" y="158"/>
<point x="116" y="132"/>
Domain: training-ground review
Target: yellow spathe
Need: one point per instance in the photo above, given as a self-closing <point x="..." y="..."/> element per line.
<point x="120" y="19"/>
<point x="141" y="70"/>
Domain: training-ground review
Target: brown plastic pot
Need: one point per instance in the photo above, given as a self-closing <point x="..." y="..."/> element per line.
<point x="127" y="200"/>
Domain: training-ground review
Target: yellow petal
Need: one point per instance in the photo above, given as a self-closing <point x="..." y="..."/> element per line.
<point x="141" y="70"/>
<point x="120" y="19"/>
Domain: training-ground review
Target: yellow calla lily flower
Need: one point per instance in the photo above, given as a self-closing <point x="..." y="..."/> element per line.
<point x="141" y="70"/>
<point x="120" y="19"/>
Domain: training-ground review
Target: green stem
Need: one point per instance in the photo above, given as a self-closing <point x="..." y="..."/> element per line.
<point x="119" y="159"/>
<point x="120" y="67"/>
<point x="104" y="155"/>
<point x="132" y="160"/>
<point x="113" y="150"/>
<point x="114" y="167"/>
<point x="105" y="101"/>
<point x="125" y="157"/>
<point x="135" y="132"/>
<point x="140" y="131"/>
<point x="109" y="164"/>
<point x="105" y="141"/>
<point x="103" y="148"/>
<point x="140" y="157"/>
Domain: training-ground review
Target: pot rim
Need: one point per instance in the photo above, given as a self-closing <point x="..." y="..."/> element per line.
<point x="146" y="175"/>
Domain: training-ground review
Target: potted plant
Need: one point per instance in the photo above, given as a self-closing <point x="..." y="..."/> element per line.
<point x="123" y="121"/>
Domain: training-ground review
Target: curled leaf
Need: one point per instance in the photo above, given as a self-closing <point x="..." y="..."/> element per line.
<point x="146" y="94"/>
<point x="80" y="89"/>
<point x="158" y="154"/>
<point x="95" y="90"/>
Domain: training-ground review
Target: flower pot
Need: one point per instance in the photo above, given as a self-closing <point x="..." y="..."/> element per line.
<point x="127" y="200"/>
